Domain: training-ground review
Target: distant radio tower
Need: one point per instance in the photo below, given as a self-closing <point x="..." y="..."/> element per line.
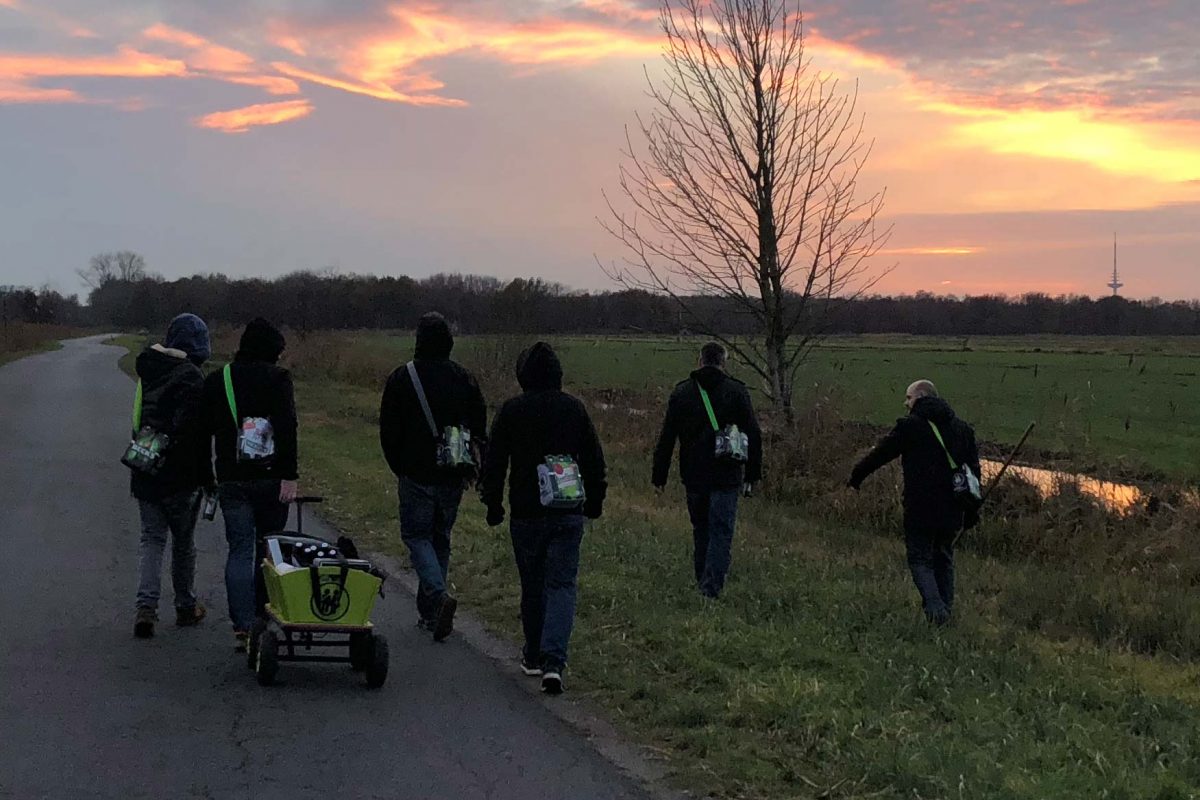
<point x="1116" y="284"/>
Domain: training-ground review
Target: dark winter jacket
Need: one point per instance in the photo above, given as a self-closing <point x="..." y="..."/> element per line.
<point x="542" y="421"/>
<point x="171" y="391"/>
<point x="454" y="398"/>
<point x="929" y="501"/>
<point x="261" y="389"/>
<point x="687" y="420"/>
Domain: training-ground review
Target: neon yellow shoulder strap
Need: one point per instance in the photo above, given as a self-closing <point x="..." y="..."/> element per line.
<point x="228" y="372"/>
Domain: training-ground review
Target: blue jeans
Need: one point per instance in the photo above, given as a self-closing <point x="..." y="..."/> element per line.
<point x="714" y="515"/>
<point x="251" y="510"/>
<point x="427" y="515"/>
<point x="547" y="552"/>
<point x="930" y="554"/>
<point x="175" y="514"/>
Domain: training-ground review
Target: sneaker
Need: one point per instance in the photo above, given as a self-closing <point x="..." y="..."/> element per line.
<point x="552" y="682"/>
<point x="240" y="639"/>
<point x="444" y="624"/>
<point x="531" y="669"/>
<point x="143" y="623"/>
<point x="185" y="617"/>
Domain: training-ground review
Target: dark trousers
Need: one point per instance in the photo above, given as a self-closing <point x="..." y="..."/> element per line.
<point x="427" y="515"/>
<point x="714" y="516"/>
<point x="930" y="553"/>
<point x="251" y="510"/>
<point x="547" y="553"/>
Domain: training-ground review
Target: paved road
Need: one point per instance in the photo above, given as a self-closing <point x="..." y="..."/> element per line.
<point x="87" y="711"/>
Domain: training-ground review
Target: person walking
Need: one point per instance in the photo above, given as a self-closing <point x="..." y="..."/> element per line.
<point x="250" y="411"/>
<point x="933" y="444"/>
<point x="167" y="403"/>
<point x="428" y="405"/>
<point x="545" y="440"/>
<point x="702" y="415"/>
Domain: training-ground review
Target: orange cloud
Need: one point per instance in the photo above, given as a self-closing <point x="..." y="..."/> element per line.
<point x="931" y="251"/>
<point x="11" y="93"/>
<point x="378" y="91"/>
<point x="128" y="63"/>
<point x="204" y="55"/>
<point x="240" y="120"/>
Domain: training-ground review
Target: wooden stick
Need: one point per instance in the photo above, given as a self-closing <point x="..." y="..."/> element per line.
<point x="1008" y="463"/>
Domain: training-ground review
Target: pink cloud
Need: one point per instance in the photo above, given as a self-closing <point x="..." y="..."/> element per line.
<point x="240" y="120"/>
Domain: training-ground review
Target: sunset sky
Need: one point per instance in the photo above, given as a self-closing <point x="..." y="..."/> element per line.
<point x="257" y="137"/>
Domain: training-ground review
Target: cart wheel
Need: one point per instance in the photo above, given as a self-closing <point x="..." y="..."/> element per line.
<point x="360" y="651"/>
<point x="256" y="632"/>
<point x="377" y="666"/>
<point x="268" y="658"/>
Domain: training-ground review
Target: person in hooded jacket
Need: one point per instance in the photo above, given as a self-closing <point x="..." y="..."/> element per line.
<point x="543" y="421"/>
<point x="713" y="484"/>
<point x="430" y="494"/>
<point x="250" y="412"/>
<point x="933" y="515"/>
<point x="171" y="384"/>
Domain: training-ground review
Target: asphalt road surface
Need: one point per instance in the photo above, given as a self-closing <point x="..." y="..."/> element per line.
<point x="87" y="711"/>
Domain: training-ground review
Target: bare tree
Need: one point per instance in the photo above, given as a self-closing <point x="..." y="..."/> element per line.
<point x="745" y="184"/>
<point x="103" y="268"/>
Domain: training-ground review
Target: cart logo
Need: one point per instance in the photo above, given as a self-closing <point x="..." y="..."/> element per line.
<point x="333" y="601"/>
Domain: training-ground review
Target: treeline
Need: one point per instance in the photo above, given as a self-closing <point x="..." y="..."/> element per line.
<point x="307" y="301"/>
<point x="41" y="307"/>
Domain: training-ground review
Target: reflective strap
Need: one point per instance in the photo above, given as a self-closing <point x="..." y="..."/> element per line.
<point x="938" y="434"/>
<point x="712" y="417"/>
<point x="420" y="390"/>
<point x="237" y="423"/>
<point x="137" y="408"/>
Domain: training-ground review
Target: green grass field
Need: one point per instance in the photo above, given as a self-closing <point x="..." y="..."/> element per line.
<point x="1120" y="405"/>
<point x="815" y="675"/>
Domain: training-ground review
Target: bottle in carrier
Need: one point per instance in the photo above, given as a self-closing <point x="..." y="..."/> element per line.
<point x="210" y="506"/>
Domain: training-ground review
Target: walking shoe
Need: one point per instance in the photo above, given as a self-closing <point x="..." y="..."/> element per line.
<point x="185" y="617"/>
<point x="552" y="682"/>
<point x="530" y="668"/>
<point x="143" y="623"/>
<point x="240" y="638"/>
<point x="443" y="625"/>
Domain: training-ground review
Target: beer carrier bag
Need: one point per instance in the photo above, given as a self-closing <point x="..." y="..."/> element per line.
<point x="454" y="442"/>
<point x="256" y="435"/>
<point x="732" y="444"/>
<point x="560" y="484"/>
<point x="967" y="490"/>
<point x="147" y="450"/>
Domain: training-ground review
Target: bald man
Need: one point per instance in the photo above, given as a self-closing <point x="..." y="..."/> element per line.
<point x="932" y="515"/>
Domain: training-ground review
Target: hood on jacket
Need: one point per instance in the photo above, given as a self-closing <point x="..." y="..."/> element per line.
<point x="934" y="409"/>
<point x="434" y="339"/>
<point x="709" y="377"/>
<point x="156" y="362"/>
<point x="188" y="333"/>
<point x="261" y="341"/>
<point x="538" y="369"/>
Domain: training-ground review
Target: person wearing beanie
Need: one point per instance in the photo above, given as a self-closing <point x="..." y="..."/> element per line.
<point x="544" y="423"/>
<point x="699" y="410"/>
<point x="430" y="491"/>
<point x="168" y="399"/>
<point x="250" y="412"/>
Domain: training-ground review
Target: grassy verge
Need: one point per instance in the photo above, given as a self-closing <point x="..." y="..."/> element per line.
<point x="814" y="676"/>
<point x="19" y="340"/>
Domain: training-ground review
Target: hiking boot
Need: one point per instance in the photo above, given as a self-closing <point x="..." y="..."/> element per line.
<point x="240" y="638"/>
<point x="143" y="623"/>
<point x="531" y="668"/>
<point x="186" y="617"/>
<point x="552" y="682"/>
<point x="443" y="624"/>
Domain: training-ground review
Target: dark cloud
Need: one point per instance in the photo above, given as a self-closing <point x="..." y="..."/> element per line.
<point x="1046" y="53"/>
